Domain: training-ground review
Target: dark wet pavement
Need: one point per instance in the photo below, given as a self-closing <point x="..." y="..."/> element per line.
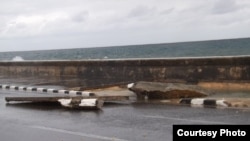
<point x="115" y="122"/>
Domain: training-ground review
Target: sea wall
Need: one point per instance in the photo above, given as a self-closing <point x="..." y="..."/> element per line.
<point x="94" y="73"/>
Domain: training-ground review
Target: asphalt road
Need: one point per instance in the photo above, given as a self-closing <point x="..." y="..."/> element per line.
<point x="115" y="122"/>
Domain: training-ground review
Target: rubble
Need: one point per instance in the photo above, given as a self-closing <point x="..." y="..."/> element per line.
<point x="158" y="90"/>
<point x="67" y="98"/>
<point x="81" y="103"/>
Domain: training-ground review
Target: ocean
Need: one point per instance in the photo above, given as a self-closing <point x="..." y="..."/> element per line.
<point x="227" y="47"/>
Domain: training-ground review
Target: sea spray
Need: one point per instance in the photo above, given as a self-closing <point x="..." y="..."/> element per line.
<point x="17" y="58"/>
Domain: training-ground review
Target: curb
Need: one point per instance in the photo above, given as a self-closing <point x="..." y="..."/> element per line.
<point x="44" y="90"/>
<point x="204" y="102"/>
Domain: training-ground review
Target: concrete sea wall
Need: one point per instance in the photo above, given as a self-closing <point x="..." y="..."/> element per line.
<point x="207" y="71"/>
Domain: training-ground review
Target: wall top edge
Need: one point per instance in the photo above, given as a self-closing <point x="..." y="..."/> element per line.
<point x="134" y="59"/>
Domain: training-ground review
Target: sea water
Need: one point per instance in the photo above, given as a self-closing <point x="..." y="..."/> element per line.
<point x="229" y="47"/>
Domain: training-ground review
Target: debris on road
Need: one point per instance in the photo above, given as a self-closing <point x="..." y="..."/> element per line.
<point x="67" y="98"/>
<point x="167" y="93"/>
<point x="44" y="90"/>
<point x="69" y="102"/>
<point x="158" y="90"/>
<point x="56" y="98"/>
<point x="81" y="103"/>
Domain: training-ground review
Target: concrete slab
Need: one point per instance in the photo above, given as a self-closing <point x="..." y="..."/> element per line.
<point x="56" y="98"/>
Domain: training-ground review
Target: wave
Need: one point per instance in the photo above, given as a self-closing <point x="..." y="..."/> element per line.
<point x="17" y="58"/>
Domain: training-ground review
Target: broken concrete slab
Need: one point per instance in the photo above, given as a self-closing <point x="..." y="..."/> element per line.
<point x="56" y="98"/>
<point x="45" y="90"/>
<point x="81" y="103"/>
<point x="74" y="102"/>
<point x="115" y="91"/>
<point x="158" y="90"/>
<point x="78" y="102"/>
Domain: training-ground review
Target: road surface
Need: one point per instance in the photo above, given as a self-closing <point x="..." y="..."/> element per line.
<point x="115" y="122"/>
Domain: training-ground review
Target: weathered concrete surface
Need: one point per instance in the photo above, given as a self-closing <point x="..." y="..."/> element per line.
<point x="95" y="73"/>
<point x="157" y="90"/>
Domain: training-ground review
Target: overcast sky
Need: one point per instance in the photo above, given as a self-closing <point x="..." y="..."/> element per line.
<point x="57" y="24"/>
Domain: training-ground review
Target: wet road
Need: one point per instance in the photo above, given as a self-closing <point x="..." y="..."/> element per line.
<point x="115" y="122"/>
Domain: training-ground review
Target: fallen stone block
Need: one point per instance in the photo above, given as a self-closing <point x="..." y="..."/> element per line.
<point x="158" y="90"/>
<point x="78" y="102"/>
<point x="56" y="98"/>
<point x="81" y="103"/>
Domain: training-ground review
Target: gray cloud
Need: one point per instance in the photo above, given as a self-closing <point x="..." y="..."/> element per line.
<point x="80" y="16"/>
<point x="36" y="24"/>
<point x="141" y="11"/>
<point x="167" y="11"/>
<point x="225" y="6"/>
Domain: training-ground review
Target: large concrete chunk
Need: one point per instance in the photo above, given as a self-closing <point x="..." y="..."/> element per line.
<point x="78" y="102"/>
<point x="158" y="90"/>
<point x="81" y="103"/>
